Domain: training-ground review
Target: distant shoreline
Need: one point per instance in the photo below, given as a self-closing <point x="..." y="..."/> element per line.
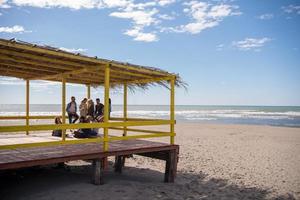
<point x="205" y="105"/>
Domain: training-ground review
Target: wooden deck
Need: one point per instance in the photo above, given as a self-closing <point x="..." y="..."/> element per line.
<point x="28" y="157"/>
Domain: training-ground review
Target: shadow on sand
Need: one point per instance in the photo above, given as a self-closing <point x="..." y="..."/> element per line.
<point x="134" y="183"/>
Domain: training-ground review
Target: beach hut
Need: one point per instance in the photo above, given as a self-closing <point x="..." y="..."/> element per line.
<point x="36" y="62"/>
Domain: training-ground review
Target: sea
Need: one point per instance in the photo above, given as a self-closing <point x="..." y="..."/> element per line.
<point x="259" y="115"/>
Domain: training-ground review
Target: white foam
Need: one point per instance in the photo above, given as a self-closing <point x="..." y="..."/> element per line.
<point x="191" y="114"/>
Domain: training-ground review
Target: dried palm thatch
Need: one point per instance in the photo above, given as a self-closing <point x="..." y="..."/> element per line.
<point x="40" y="62"/>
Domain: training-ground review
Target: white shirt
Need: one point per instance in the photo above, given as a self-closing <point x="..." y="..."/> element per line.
<point x="72" y="108"/>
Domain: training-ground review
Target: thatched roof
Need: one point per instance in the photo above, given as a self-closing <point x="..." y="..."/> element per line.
<point x="36" y="62"/>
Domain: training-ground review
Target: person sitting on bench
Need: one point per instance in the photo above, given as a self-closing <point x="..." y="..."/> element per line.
<point x="57" y="133"/>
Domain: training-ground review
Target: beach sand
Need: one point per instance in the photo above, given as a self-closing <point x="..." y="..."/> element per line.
<point x="216" y="162"/>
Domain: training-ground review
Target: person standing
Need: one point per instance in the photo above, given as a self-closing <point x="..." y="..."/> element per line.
<point x="83" y="108"/>
<point x="98" y="108"/>
<point x="90" y="108"/>
<point x="72" y="111"/>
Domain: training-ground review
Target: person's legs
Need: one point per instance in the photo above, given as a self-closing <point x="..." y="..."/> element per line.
<point x="93" y="133"/>
<point x="75" y="118"/>
<point x="70" y="118"/>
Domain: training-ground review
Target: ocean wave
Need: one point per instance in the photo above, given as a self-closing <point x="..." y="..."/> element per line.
<point x="31" y="113"/>
<point x="191" y="114"/>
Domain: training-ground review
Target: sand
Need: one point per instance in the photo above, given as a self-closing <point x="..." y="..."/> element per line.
<point x="216" y="162"/>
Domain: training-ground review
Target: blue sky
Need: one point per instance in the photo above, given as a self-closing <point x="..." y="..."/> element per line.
<point x="230" y="52"/>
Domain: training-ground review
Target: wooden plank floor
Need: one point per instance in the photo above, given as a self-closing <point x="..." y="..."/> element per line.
<point x="26" y="157"/>
<point x="9" y="139"/>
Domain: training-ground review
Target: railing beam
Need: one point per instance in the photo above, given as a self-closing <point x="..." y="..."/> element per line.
<point x="41" y="127"/>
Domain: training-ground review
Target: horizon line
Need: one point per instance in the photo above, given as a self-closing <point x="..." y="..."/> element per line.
<point x="166" y="105"/>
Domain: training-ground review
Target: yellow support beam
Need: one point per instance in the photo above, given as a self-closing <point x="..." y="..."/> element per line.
<point x="35" y="63"/>
<point x="106" y="104"/>
<point x="63" y="107"/>
<point x="140" y="130"/>
<point x="172" y="108"/>
<point x="19" y="128"/>
<point x="131" y="119"/>
<point x="144" y="81"/>
<point x="30" y="117"/>
<point x="27" y="105"/>
<point x="112" y="138"/>
<point x="53" y="116"/>
<point x="88" y="88"/>
<point x="59" y="75"/>
<point x="25" y="66"/>
<point x="81" y="72"/>
<point x="125" y="108"/>
<point x="129" y="73"/>
<point x="52" y="61"/>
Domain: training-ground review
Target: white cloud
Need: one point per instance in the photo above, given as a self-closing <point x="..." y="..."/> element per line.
<point x="35" y="85"/>
<point x="165" y="2"/>
<point x="88" y="4"/>
<point x="3" y="4"/>
<point x="166" y="17"/>
<point x="145" y="16"/>
<point x="204" y="15"/>
<point x="1" y="14"/>
<point x="79" y="50"/>
<point x="139" y="35"/>
<point x="73" y="4"/>
<point x="266" y="16"/>
<point x="13" y="29"/>
<point x="84" y="4"/>
<point x="251" y="43"/>
<point x="142" y="15"/>
<point x="139" y="17"/>
<point x="10" y="81"/>
<point x="220" y="47"/>
<point x="291" y="9"/>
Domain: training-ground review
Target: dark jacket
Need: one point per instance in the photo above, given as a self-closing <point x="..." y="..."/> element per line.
<point x="69" y="105"/>
<point x="91" y="111"/>
<point x="99" y="110"/>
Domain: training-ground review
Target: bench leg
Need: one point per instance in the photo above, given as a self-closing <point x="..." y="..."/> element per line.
<point x="119" y="163"/>
<point x="97" y="178"/>
<point x="171" y="166"/>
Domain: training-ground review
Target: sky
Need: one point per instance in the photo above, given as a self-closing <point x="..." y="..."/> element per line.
<point x="229" y="52"/>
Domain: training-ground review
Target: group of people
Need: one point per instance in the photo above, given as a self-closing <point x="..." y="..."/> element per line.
<point x="87" y="109"/>
<point x="89" y="113"/>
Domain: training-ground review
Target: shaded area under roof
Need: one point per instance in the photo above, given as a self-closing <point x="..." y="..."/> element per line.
<point x="35" y="62"/>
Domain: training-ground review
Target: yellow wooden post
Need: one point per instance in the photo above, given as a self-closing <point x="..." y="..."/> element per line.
<point x="106" y="105"/>
<point x="88" y="91"/>
<point x="27" y="105"/>
<point x="125" y="108"/>
<point x="172" y="109"/>
<point x="63" y="107"/>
